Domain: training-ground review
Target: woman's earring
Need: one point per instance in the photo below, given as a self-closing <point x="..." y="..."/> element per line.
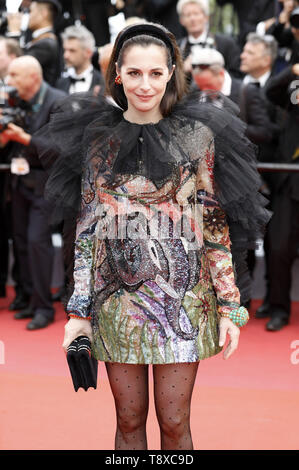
<point x="118" y="80"/>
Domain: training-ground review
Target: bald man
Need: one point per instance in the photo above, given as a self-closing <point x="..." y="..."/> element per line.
<point x="30" y="211"/>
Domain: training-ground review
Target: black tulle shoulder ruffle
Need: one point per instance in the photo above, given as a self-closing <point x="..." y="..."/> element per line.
<point x="83" y="123"/>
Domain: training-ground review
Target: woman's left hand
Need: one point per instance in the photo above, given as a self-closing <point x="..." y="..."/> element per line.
<point x="228" y="327"/>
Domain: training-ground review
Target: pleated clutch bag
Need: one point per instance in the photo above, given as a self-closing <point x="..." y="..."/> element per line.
<point x="83" y="367"/>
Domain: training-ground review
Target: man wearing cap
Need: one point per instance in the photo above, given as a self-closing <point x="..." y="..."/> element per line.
<point x="194" y="16"/>
<point x="209" y="73"/>
<point x="44" y="45"/>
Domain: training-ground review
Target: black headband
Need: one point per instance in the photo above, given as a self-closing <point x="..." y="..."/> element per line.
<point x="141" y="29"/>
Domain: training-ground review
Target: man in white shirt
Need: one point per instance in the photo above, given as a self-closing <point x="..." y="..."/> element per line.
<point x="257" y="61"/>
<point x="80" y="76"/>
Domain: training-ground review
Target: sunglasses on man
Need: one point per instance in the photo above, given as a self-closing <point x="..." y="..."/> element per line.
<point x="200" y="67"/>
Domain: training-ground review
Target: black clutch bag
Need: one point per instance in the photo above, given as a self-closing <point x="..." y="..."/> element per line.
<point x="83" y="367"/>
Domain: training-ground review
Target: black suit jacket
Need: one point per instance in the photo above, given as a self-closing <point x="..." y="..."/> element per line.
<point x="253" y="111"/>
<point x="261" y="129"/>
<point x="37" y="177"/>
<point x="64" y="83"/>
<point x="48" y="52"/>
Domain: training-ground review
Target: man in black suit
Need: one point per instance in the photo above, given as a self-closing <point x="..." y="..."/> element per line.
<point x="282" y="90"/>
<point x="81" y="76"/>
<point x="44" y="44"/>
<point x="32" y="233"/>
<point x="257" y="64"/>
<point x="194" y="16"/>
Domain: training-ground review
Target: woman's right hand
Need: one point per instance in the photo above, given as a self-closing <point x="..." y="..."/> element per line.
<point x="227" y="327"/>
<point x="76" y="327"/>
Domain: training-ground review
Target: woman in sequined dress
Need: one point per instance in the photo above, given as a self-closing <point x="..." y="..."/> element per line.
<point x="154" y="280"/>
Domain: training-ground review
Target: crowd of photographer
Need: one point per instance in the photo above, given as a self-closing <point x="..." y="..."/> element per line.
<point x="50" y="49"/>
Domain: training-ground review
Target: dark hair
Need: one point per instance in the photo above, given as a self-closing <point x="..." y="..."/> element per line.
<point x="176" y="87"/>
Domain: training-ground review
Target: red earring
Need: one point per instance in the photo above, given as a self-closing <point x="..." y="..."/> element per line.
<point x="118" y="80"/>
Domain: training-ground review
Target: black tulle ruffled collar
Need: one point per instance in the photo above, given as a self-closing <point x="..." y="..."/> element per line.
<point x="144" y="150"/>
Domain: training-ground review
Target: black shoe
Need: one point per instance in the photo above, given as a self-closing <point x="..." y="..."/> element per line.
<point x="263" y="311"/>
<point x="25" y="313"/>
<point x="38" y="322"/>
<point x="20" y="302"/>
<point x="276" y="323"/>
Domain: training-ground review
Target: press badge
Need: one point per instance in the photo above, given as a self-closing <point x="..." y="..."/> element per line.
<point x="19" y="166"/>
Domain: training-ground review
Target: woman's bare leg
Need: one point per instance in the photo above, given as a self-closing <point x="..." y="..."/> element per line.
<point x="129" y="385"/>
<point x="173" y="387"/>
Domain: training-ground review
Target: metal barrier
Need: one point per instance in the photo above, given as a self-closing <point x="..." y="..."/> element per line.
<point x="281" y="167"/>
<point x="4" y="167"/>
<point x="262" y="167"/>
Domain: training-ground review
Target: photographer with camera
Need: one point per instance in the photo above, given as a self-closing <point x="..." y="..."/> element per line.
<point x="30" y="211"/>
<point x="286" y="29"/>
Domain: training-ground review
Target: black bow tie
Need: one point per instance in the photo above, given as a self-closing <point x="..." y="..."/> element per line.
<point x="75" y="79"/>
<point x="200" y="43"/>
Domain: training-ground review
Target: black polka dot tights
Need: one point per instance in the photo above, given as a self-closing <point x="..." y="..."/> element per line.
<point x="173" y="387"/>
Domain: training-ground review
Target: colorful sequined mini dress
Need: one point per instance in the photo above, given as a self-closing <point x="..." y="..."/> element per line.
<point x="153" y="268"/>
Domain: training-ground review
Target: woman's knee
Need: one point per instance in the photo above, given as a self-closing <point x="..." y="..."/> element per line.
<point x="131" y="419"/>
<point x="174" y="425"/>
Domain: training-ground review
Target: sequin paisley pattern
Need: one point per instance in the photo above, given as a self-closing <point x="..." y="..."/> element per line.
<point x="153" y="278"/>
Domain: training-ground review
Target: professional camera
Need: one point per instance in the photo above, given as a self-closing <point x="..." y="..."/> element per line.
<point x="12" y="108"/>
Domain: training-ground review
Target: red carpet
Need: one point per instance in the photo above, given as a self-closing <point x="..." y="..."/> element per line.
<point x="250" y="402"/>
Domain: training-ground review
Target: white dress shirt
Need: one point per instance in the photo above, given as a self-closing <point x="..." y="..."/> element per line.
<point x="227" y="84"/>
<point x="80" y="86"/>
<point x="262" y="80"/>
